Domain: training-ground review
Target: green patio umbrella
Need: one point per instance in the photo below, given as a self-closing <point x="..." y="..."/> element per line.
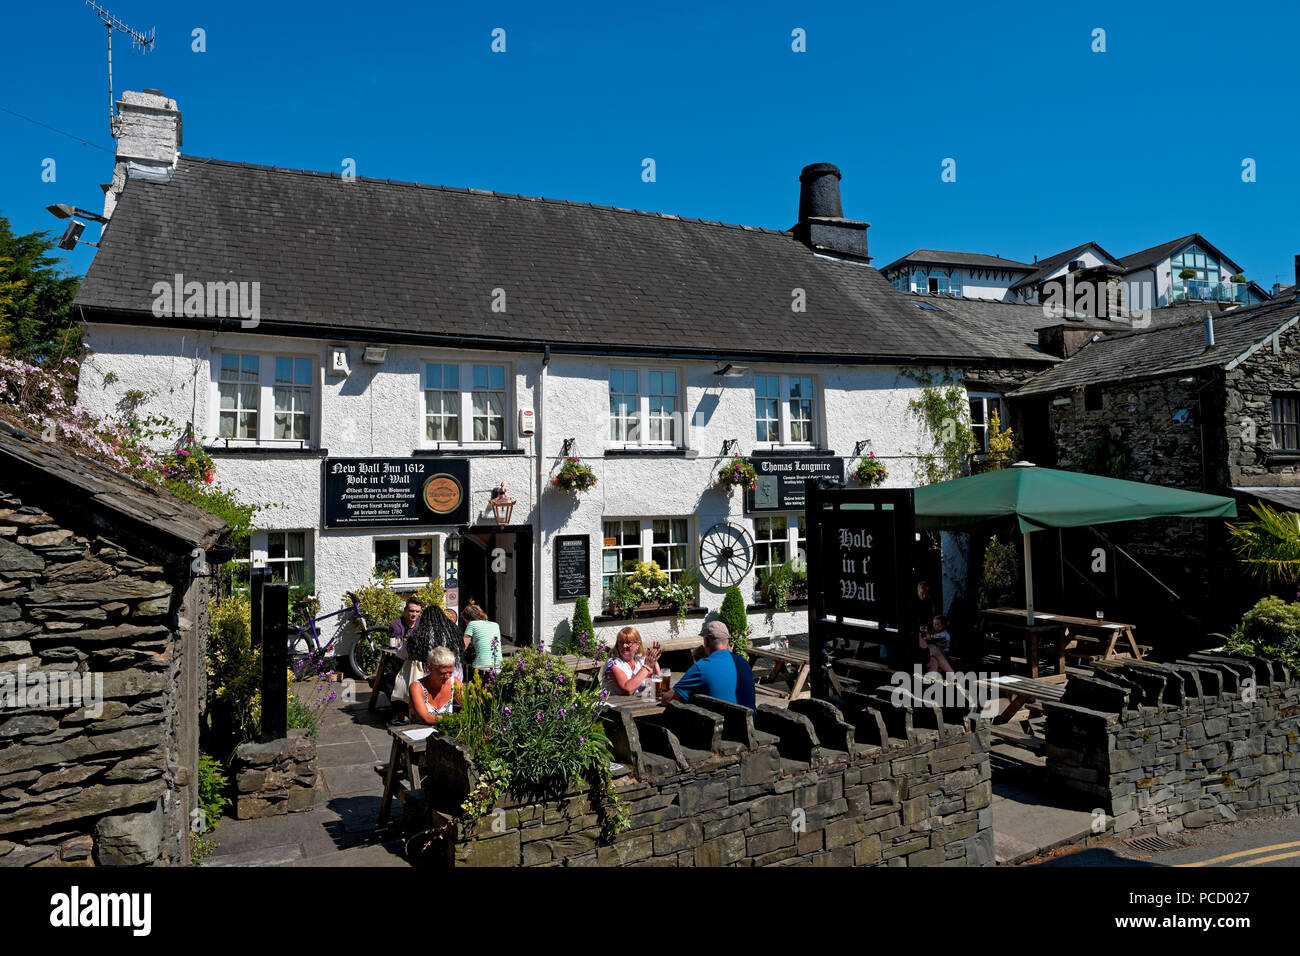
<point x="1046" y="498"/>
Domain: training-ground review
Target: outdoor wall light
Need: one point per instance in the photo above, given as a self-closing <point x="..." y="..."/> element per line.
<point x="731" y="371"/>
<point x="453" y="544"/>
<point x="374" y="354"/>
<point x="64" y="211"/>
<point x="502" y="505"/>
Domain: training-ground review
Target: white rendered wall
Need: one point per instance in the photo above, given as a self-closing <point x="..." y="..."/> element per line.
<point x="378" y="412"/>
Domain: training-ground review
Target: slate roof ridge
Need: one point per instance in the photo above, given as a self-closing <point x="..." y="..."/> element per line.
<point x="472" y="191"/>
<point x="955" y="256"/>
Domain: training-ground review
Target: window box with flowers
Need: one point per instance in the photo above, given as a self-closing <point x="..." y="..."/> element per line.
<point x="737" y="473"/>
<point x="646" y="590"/>
<point x="574" y="477"/>
<point x="870" y="471"/>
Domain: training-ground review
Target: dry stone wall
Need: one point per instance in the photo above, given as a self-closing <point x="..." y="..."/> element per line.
<point x="1164" y="747"/>
<point x="713" y="784"/>
<point x="109" y="780"/>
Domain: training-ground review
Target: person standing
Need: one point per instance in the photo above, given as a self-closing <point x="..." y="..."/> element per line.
<point x="482" y="638"/>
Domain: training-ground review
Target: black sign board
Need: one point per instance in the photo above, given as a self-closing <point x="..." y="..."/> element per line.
<point x="780" y="481"/>
<point x="860" y="572"/>
<point x="572" y="566"/>
<point x="395" y="492"/>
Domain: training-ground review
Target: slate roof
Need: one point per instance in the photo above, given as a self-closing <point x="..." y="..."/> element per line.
<point x="1157" y="254"/>
<point x="402" y="262"/>
<point x="58" y="473"/>
<point x="1014" y="325"/>
<point x="974" y="259"/>
<point x="1169" y="350"/>
<point x="1288" y="498"/>
<point x="1049" y="265"/>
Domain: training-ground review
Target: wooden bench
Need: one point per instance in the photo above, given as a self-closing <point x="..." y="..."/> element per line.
<point x="782" y="658"/>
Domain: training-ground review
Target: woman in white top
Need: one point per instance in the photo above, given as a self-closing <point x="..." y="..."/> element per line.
<point x="434" y="695"/>
<point x="627" y="671"/>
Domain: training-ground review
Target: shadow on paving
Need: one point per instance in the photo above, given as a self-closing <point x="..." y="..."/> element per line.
<point x="339" y="830"/>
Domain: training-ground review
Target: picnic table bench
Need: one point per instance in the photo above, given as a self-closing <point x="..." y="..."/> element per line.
<point x="783" y="658"/>
<point x="1020" y="691"/>
<point x="1075" y="635"/>
<point x="404" y="755"/>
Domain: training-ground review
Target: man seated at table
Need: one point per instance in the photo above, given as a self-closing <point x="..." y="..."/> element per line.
<point x="717" y="671"/>
<point x="401" y="629"/>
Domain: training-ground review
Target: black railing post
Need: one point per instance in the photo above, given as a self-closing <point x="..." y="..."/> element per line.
<point x="275" y="660"/>
<point x="257" y="578"/>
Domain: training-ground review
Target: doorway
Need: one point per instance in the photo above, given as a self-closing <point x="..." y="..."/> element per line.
<point x="496" y="571"/>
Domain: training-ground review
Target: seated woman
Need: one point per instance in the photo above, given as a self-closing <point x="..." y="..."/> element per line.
<point x="630" y="667"/>
<point x="482" y="638"/>
<point x="432" y="630"/>
<point x="437" y="692"/>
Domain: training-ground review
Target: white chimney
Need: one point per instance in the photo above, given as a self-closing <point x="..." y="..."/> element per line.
<point x="1208" y="320"/>
<point x="148" y="141"/>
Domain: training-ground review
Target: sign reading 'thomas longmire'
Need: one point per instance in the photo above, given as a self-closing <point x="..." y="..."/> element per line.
<point x="780" y="481"/>
<point x="395" y="492"/>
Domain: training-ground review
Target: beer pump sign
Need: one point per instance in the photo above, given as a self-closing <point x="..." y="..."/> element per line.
<point x="395" y="492"/>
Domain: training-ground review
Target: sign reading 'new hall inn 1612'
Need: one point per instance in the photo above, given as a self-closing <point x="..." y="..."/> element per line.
<point x="395" y="492"/>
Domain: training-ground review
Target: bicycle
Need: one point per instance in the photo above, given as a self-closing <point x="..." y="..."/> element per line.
<point x="305" y="645"/>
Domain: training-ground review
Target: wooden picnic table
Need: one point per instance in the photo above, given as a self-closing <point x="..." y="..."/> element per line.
<point x="1076" y="630"/>
<point x="782" y="658"/>
<point x="405" y="753"/>
<point x="388" y="660"/>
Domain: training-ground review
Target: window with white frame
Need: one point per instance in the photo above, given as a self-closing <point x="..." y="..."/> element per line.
<point x="412" y="559"/>
<point x="286" y="554"/>
<point x="778" y="539"/>
<point x="982" y="409"/>
<point x="267" y="399"/>
<point x="465" y="403"/>
<point x="785" y="409"/>
<point x="665" y="541"/>
<point x="644" y="406"/>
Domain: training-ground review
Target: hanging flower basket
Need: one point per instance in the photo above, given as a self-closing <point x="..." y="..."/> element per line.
<point x="737" y="473"/>
<point x="574" y="476"/>
<point x="870" y="471"/>
<point x="188" y="462"/>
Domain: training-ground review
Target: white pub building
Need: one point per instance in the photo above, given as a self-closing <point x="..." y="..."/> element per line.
<point x="379" y="360"/>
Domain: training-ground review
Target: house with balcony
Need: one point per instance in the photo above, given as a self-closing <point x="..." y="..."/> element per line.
<point x="1189" y="269"/>
<point x="388" y="363"/>
<point x="970" y="275"/>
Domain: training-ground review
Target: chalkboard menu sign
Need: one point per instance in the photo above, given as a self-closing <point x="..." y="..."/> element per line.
<point x="395" y="492"/>
<point x="572" y="566"/>
<point x="780" y="481"/>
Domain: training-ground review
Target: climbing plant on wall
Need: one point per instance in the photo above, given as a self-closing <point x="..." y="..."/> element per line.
<point x="943" y="409"/>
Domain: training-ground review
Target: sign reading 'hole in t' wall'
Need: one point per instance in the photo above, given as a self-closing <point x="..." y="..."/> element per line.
<point x="860" y="578"/>
<point x="395" y="492"/>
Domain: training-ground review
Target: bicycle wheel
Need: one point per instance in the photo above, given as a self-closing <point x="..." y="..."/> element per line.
<point x="364" y="656"/>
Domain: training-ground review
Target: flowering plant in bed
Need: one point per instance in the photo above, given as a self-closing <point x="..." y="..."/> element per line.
<point x="737" y="473"/>
<point x="534" y="733"/>
<point x="188" y="462"/>
<point x="574" y="476"/>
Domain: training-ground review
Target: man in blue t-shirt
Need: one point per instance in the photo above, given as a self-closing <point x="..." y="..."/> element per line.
<point x="718" y="673"/>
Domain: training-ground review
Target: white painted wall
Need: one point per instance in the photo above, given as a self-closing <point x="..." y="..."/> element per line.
<point x="378" y="412"/>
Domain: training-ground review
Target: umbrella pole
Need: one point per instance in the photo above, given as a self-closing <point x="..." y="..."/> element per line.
<point x="1029" y="580"/>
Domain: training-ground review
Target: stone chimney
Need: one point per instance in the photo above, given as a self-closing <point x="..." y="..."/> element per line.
<point x="1297" y="272"/>
<point x="822" y="226"/>
<point x="148" y="142"/>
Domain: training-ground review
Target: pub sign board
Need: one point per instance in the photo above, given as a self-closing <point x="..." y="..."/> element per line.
<point x="860" y="550"/>
<point x="572" y="566"/>
<point x="780" y="480"/>
<point x="395" y="492"/>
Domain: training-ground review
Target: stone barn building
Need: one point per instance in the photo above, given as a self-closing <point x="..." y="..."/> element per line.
<point x="103" y="624"/>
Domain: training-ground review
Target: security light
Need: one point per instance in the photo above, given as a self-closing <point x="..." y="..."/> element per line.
<point x="731" y="371"/>
<point x="374" y="354"/>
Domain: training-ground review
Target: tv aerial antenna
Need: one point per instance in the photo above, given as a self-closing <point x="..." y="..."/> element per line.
<point x="139" y="41"/>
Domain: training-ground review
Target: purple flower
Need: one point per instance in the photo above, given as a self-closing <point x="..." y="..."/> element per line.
<point x="562" y="711"/>
<point x="539" y="716"/>
<point x="506" y="710"/>
<point x="581" y="741"/>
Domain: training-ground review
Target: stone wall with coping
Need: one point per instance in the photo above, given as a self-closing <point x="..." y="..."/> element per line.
<point x="110" y="783"/>
<point x="713" y="784"/>
<point x="1163" y="747"/>
<point x="275" y="778"/>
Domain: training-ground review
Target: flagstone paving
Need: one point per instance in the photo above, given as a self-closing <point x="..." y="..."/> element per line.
<point x="340" y="829"/>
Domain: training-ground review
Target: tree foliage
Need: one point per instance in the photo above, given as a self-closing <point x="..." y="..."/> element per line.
<point x="1270" y="545"/>
<point x="36" y="319"/>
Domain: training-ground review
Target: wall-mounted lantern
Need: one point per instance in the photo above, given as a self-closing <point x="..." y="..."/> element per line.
<point x="502" y="505"/>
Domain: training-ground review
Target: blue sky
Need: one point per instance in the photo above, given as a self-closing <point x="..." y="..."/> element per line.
<point x="1054" y="144"/>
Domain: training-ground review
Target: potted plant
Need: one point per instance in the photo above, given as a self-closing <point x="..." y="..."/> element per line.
<point x="774" y="585"/>
<point x="739" y="472"/>
<point x="188" y="462"/>
<point x="870" y="471"/>
<point x="574" y="476"/>
<point x="1187" y="274"/>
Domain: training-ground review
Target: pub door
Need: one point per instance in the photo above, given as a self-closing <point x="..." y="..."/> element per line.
<point x="496" y="570"/>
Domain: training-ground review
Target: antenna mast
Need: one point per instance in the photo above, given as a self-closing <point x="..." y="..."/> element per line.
<point x="140" y="41"/>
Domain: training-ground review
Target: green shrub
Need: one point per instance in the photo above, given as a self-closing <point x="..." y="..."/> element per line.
<point x="581" y="622"/>
<point x="1269" y="629"/>
<point x="234" y="670"/>
<point x="212" y="792"/>
<point x="732" y="613"/>
<point x="1001" y="574"/>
